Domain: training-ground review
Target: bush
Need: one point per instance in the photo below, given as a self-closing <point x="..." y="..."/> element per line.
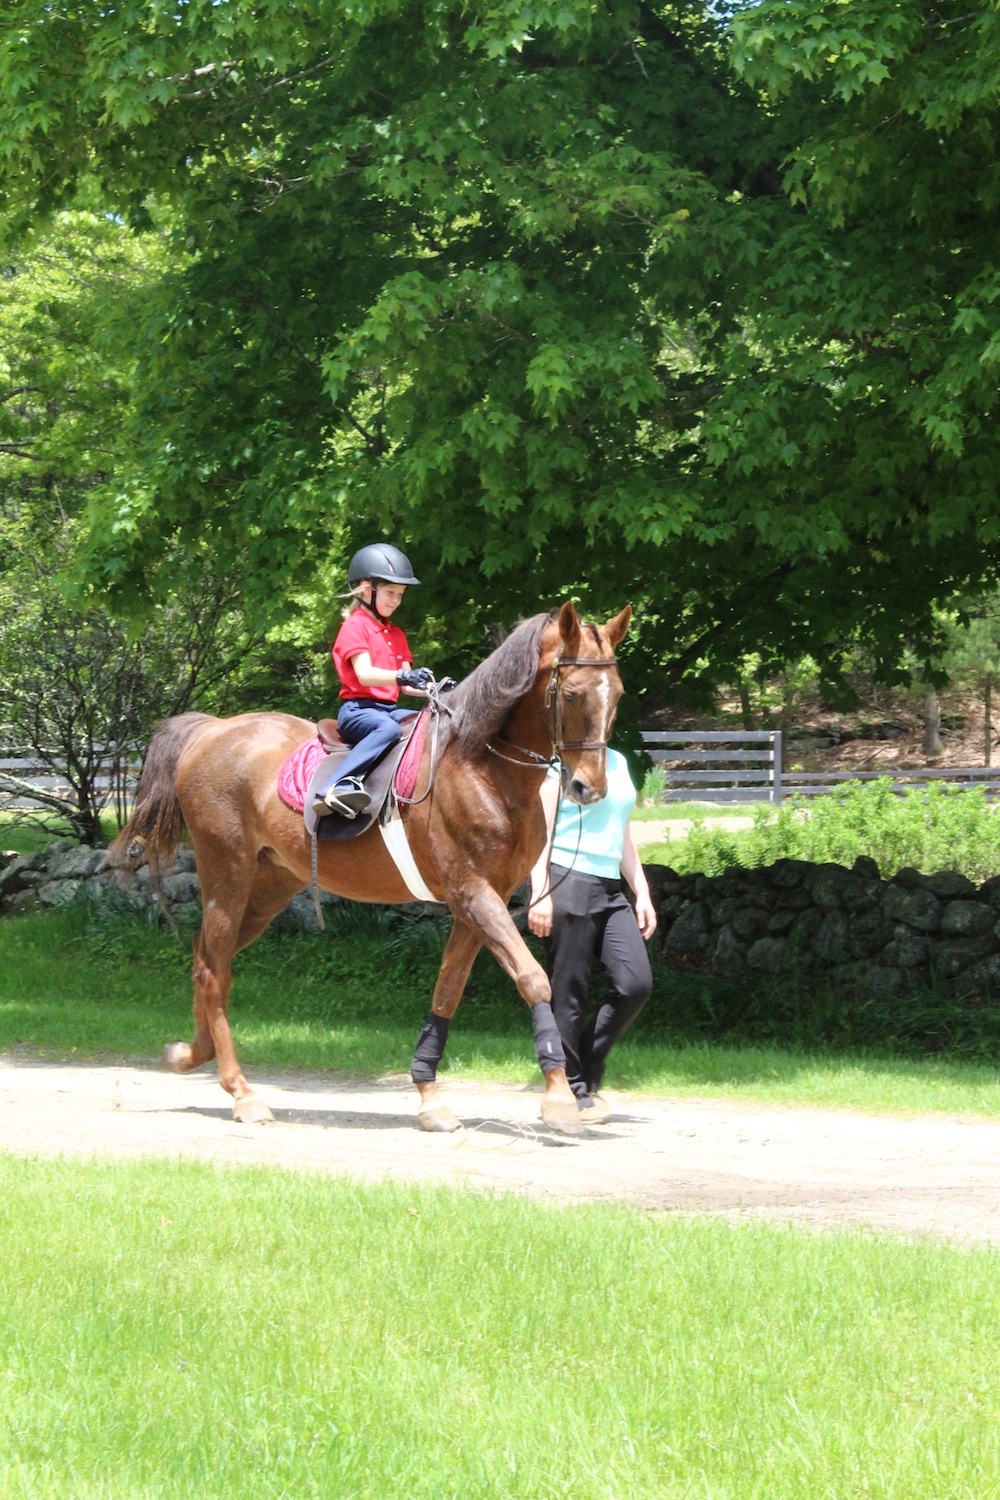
<point x="930" y="828"/>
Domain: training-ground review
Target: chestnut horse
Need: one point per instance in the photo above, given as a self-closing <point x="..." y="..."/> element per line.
<point x="551" y="688"/>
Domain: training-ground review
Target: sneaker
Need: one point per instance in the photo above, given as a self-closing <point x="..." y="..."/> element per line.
<point x="348" y="798"/>
<point x="331" y="803"/>
<point x="351" y="791"/>
<point x="593" y="1109"/>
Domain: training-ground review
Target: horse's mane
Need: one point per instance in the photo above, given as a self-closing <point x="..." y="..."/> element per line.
<point x="482" y="701"/>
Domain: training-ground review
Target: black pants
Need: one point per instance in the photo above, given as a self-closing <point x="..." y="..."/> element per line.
<point x="593" y="919"/>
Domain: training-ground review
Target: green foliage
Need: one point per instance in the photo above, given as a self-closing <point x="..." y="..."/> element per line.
<point x="475" y="281"/>
<point x="72" y="301"/>
<point x="930" y="828"/>
<point x="352" y="1000"/>
<point x="654" y="784"/>
<point x="80" y="694"/>
<point x="800" y="1016"/>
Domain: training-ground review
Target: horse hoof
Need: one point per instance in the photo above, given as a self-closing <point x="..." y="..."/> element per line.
<point x="177" y="1057"/>
<point x="563" y="1116"/>
<point x="251" y="1111"/>
<point x="439" y="1118"/>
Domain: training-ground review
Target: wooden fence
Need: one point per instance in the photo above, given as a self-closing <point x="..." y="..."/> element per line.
<point x="745" y="766"/>
<point x="719" y="765"/>
<point x="23" y="769"/>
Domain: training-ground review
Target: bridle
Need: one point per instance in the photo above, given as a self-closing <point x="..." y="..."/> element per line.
<point x="553" y="703"/>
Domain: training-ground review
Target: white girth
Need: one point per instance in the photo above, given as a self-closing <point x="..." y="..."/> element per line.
<point x="396" y="842"/>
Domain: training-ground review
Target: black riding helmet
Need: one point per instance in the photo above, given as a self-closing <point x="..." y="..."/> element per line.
<point x="381" y="563"/>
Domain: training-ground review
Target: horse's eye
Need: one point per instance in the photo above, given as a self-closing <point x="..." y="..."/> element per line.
<point x="569" y="697"/>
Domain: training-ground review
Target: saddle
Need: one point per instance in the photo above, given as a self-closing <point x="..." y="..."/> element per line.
<point x="332" y="827"/>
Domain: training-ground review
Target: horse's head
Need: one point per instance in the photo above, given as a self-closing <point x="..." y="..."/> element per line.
<point x="581" y="697"/>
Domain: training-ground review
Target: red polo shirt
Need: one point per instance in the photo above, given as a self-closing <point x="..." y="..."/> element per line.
<point x="386" y="645"/>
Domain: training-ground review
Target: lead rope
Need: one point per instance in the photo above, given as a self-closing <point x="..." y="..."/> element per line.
<point x="521" y="911"/>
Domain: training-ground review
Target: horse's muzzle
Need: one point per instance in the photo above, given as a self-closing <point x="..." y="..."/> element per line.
<point x="581" y="792"/>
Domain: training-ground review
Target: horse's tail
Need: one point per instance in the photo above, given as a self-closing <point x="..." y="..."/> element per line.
<point x="155" y="827"/>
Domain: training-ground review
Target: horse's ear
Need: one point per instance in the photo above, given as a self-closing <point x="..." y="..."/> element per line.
<point x="617" y="627"/>
<point x="569" y="626"/>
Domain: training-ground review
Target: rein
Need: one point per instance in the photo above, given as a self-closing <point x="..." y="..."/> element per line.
<point x="532" y="763"/>
<point x="437" y="708"/>
<point x="533" y="760"/>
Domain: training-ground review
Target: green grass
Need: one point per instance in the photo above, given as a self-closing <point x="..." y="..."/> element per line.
<point x="26" y="831"/>
<point x="178" y="1330"/>
<point x="668" y="812"/>
<point x="869" y="1082"/>
<point x="76" y="984"/>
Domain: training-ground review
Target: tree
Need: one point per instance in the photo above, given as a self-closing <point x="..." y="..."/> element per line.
<point x="72" y="302"/>
<point x="972" y="655"/>
<point x="80" y="694"/>
<point x="638" y="301"/>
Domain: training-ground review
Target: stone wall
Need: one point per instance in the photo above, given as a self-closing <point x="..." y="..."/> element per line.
<point x="841" y="926"/>
<point x="66" y="872"/>
<point x="836" y="925"/>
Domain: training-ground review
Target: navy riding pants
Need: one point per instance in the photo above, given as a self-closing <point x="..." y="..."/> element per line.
<point x="370" y="728"/>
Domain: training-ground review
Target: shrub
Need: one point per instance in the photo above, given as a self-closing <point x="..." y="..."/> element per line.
<point x="929" y="828"/>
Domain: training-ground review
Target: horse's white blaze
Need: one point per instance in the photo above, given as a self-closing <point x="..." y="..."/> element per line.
<point x="604" y="691"/>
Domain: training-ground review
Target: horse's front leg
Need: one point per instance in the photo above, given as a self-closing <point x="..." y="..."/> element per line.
<point x="486" y="914"/>
<point x="459" y="955"/>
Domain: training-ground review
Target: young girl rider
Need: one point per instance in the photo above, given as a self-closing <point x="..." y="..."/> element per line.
<point x="373" y="661"/>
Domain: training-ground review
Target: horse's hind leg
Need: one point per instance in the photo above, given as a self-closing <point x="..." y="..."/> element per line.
<point x="238" y="909"/>
<point x="459" y="955"/>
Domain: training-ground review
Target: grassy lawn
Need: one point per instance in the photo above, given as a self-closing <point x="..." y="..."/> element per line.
<point x="667" y="812"/>
<point x="24" y="832"/>
<point x="177" y="1329"/>
<point x="174" y="1330"/>
<point x="75" y="986"/>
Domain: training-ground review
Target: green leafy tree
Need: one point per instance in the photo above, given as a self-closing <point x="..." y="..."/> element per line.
<point x="79" y="693"/>
<point x="972" y="656"/>
<point x="645" y="302"/>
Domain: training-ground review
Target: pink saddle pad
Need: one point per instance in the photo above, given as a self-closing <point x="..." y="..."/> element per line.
<point x="297" y="769"/>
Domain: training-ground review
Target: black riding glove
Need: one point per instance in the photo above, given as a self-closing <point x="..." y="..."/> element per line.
<point x="415" y="677"/>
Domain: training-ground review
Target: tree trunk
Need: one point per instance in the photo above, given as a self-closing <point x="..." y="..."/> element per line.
<point x="932" y="725"/>
<point x="988" y="732"/>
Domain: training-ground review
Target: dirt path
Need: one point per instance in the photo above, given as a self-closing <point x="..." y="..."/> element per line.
<point x="932" y="1175"/>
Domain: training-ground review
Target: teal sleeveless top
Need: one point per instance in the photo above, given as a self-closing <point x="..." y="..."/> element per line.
<point x="592" y="839"/>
